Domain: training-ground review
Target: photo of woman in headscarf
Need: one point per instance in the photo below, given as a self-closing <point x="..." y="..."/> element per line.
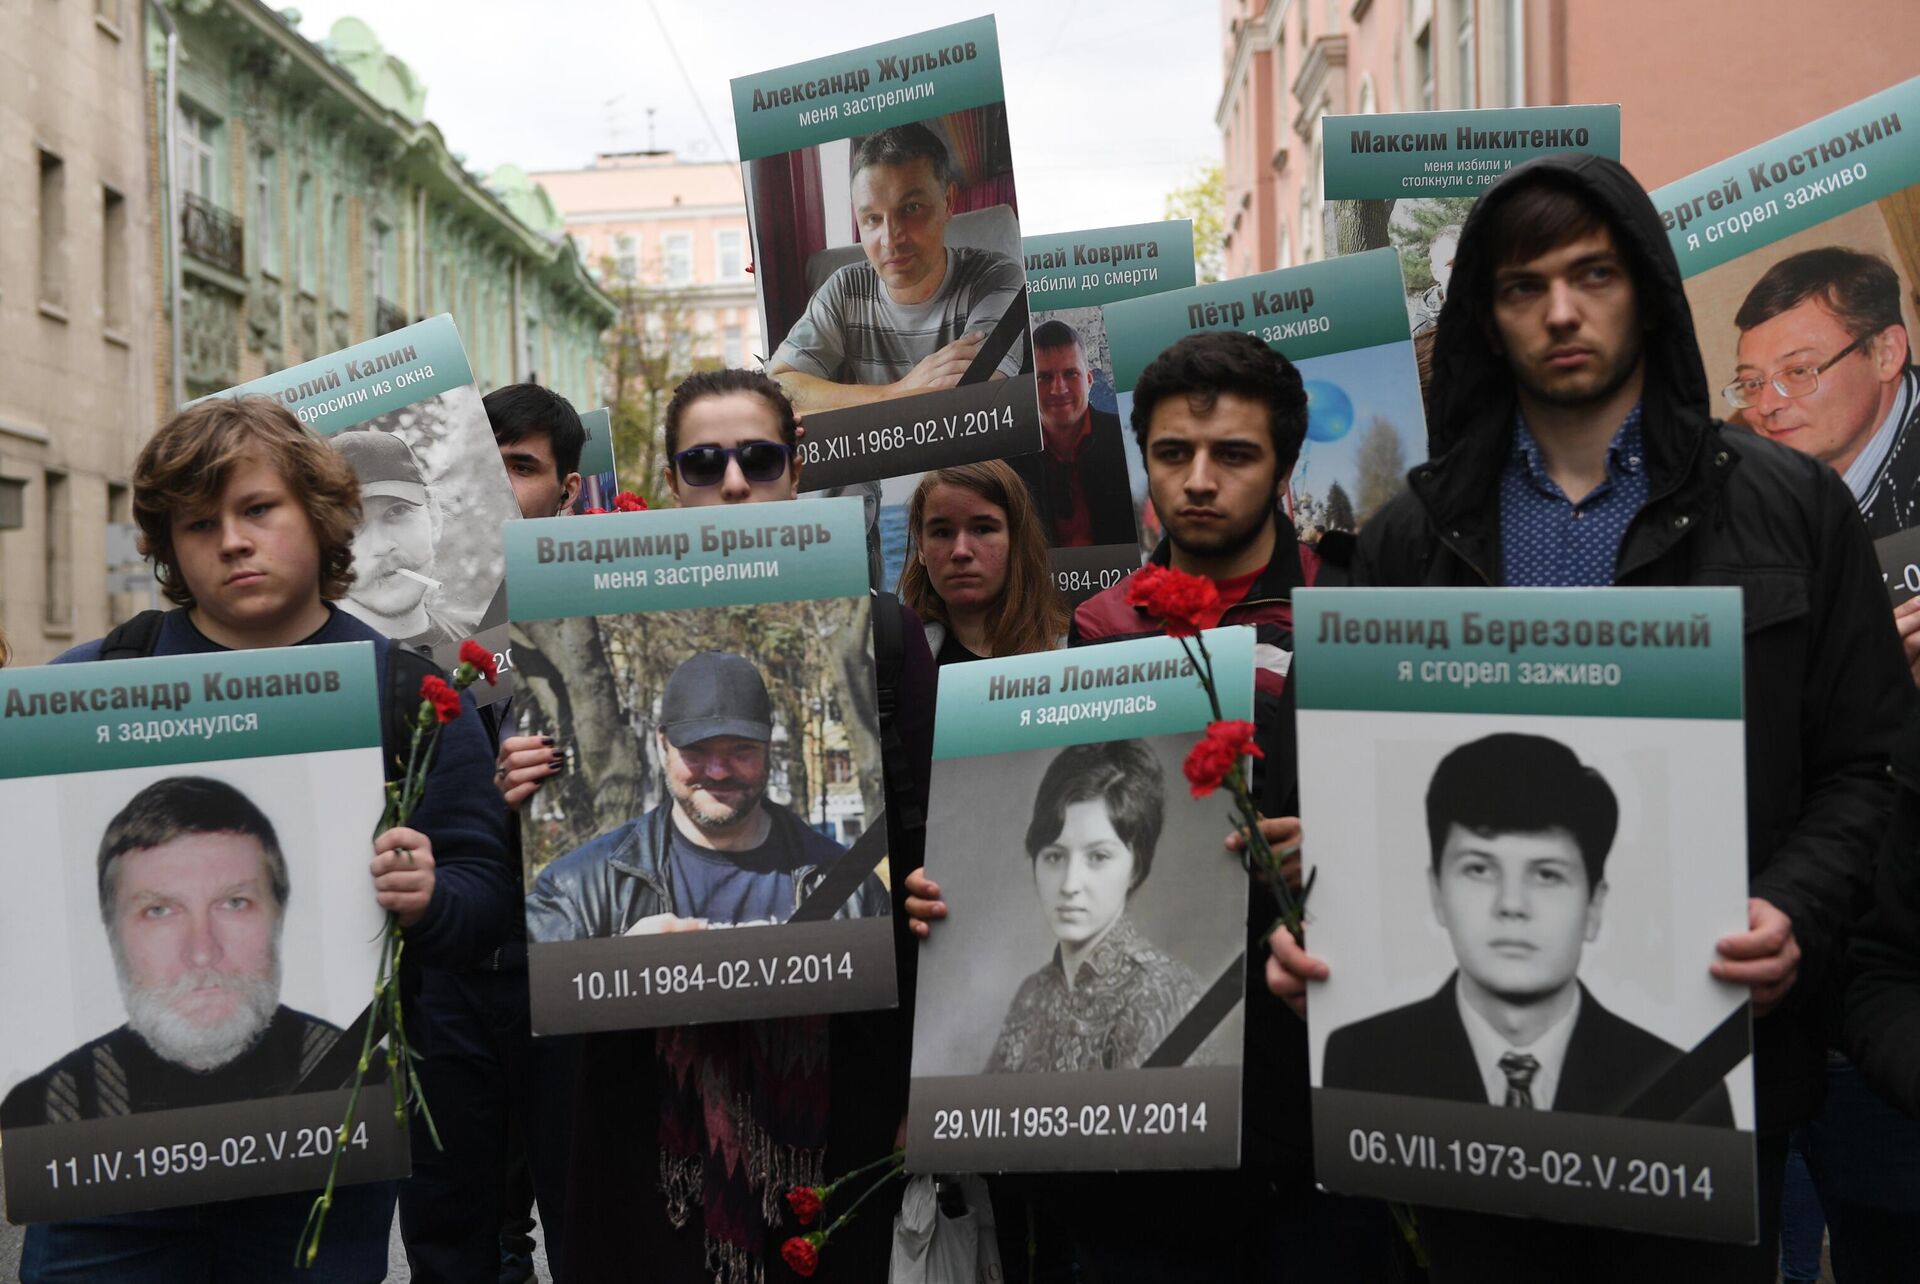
<point x="1108" y="996"/>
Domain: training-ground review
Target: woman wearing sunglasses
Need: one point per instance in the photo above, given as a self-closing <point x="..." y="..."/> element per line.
<point x="685" y="1139"/>
<point x="976" y="567"/>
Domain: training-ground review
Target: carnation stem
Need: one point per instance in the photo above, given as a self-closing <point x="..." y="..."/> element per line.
<point x="895" y="1157"/>
<point x="899" y="1166"/>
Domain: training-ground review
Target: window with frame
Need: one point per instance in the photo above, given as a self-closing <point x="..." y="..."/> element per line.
<point x="1464" y="46"/>
<point x="337" y="253"/>
<point x="733" y="347"/>
<point x="197" y="147"/>
<point x="677" y="254"/>
<point x="627" y="258"/>
<point x="1423" y="66"/>
<point x="53" y="231"/>
<point x="305" y="238"/>
<point x="113" y="259"/>
<point x="59" y="550"/>
<point x="727" y="252"/>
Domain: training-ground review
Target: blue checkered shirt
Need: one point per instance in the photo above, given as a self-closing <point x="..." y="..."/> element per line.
<point x="1546" y="540"/>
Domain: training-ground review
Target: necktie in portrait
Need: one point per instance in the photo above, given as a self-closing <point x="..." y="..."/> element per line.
<point x="1519" y="1069"/>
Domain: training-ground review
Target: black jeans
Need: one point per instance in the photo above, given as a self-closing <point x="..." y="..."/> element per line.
<point x="481" y="1069"/>
<point x="1865" y="1159"/>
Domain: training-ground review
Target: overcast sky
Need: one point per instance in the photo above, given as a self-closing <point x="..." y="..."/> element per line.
<point x="1110" y="102"/>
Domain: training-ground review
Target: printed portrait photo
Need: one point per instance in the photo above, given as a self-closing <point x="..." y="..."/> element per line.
<point x="723" y="763"/>
<point x="889" y="263"/>
<point x="201" y="940"/>
<point x="1809" y="341"/>
<point x="1083" y="480"/>
<point x="1533" y="924"/>
<point x="1099" y="907"/>
<point x="428" y="566"/>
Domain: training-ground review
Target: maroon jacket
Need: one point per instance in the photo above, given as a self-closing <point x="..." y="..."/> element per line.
<point x="1277" y="1130"/>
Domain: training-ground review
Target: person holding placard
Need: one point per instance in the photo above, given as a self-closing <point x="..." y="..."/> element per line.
<point x="492" y="1085"/>
<point x="248" y="519"/>
<point x="653" y="1178"/>
<point x="1574" y="447"/>
<point x="1221" y="419"/>
<point x="976" y="568"/>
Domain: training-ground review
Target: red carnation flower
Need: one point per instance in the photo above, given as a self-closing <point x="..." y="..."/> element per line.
<point x="802" y="1253"/>
<point x="481" y="659"/>
<point x="588" y="512"/>
<point x="628" y="502"/>
<point x="1208" y="763"/>
<point x="805" y="1202"/>
<point x="444" y="699"/>
<point x="1185" y="604"/>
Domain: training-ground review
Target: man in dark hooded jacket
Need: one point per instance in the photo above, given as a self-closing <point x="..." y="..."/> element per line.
<point x="1571" y="444"/>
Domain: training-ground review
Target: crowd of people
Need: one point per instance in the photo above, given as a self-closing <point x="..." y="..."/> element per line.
<point x="1572" y="446"/>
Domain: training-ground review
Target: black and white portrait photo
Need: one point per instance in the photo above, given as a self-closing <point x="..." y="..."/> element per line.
<point x="1520" y="912"/>
<point x="1107" y="997"/>
<point x="1100" y="907"/>
<point x="1519" y="831"/>
<point x="199" y="942"/>
<point x="427" y="560"/>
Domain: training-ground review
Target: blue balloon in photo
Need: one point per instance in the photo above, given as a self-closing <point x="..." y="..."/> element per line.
<point x="1329" y="411"/>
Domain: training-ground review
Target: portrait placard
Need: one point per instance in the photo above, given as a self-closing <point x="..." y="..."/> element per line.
<point x="433" y="492"/>
<point x="717" y="848"/>
<point x="1083" y="1007"/>
<point x="1529" y="829"/>
<point x="1802" y="265"/>
<point x="886" y="233"/>
<point x="185" y="883"/>
<point x="1408" y="179"/>
<point x="1341" y="322"/>
<point x="598" y="484"/>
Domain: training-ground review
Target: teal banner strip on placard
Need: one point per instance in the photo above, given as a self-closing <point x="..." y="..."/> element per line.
<point x="673" y="559"/>
<point x="1454" y="153"/>
<point x="1817" y="172"/>
<point x="1607" y="652"/>
<point x="1336" y="305"/>
<point x="1106" y="264"/>
<point x="369" y="379"/>
<point x="597" y="455"/>
<point x="64" y="718"/>
<point x="1088" y="695"/>
<point x="933" y="73"/>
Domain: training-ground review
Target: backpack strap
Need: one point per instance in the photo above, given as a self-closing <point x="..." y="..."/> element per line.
<point x="889" y="662"/>
<point x="135" y="639"/>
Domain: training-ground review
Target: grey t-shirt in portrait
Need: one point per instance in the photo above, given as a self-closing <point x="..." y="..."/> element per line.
<point x="852" y="332"/>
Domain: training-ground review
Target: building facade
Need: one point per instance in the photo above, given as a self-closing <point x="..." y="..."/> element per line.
<point x="205" y="197"/>
<point x="318" y="207"/>
<point x="651" y="220"/>
<point x="1695" y="83"/>
<point x="76" y="310"/>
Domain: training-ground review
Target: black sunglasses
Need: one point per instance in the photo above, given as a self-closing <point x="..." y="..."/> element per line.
<point x="760" y="461"/>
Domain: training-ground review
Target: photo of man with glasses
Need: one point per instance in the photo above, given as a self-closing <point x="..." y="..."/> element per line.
<point x="1825" y="366"/>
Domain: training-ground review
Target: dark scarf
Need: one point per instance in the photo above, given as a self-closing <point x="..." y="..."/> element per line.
<point x="743" y="1119"/>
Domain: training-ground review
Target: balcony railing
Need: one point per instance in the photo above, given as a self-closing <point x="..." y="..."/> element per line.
<point x="387" y="316"/>
<point x="212" y="235"/>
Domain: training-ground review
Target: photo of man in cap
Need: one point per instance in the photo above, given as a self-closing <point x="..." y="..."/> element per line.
<point x="393" y="547"/>
<point x="193" y="892"/>
<point x="716" y="851"/>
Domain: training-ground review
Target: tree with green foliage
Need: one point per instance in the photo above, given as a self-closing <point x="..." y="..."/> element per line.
<point x="1204" y="200"/>
<point x="651" y="347"/>
<point x="1339" y="516"/>
<point x="1382" y="467"/>
<point x="1413" y="236"/>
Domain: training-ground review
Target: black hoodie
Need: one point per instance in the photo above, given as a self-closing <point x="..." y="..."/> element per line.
<point x="1826" y="685"/>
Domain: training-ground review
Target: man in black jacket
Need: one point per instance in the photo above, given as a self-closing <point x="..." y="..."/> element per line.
<point x="1566" y="378"/>
<point x="1080" y="478"/>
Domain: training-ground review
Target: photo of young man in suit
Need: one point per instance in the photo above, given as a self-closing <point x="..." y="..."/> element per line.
<point x="1520" y="830"/>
